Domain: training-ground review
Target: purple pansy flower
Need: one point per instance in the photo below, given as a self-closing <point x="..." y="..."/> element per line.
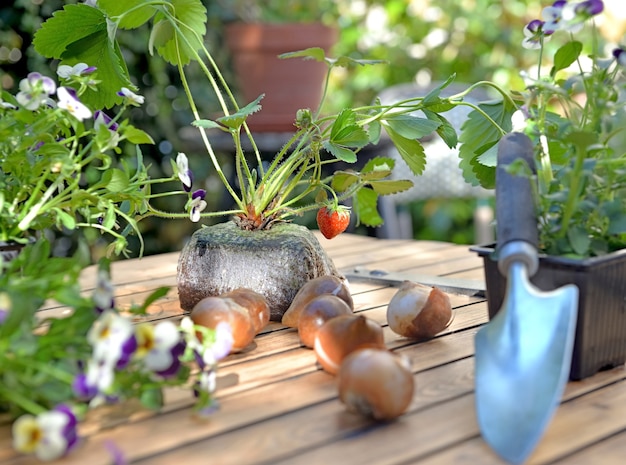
<point x="197" y="204"/>
<point x="68" y="100"/>
<point x="131" y="97"/>
<point x="49" y="435"/>
<point x="79" y="69"/>
<point x="102" y="119"/>
<point x="160" y="346"/>
<point x="35" y="90"/>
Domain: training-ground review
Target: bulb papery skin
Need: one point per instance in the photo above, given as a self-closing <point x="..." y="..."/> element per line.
<point x="418" y="311"/>
<point x="321" y="285"/>
<point x="210" y="311"/>
<point x="342" y="335"/>
<point x="317" y="312"/>
<point x="375" y="383"/>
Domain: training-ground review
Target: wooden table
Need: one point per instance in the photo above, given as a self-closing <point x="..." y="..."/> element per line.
<point x="278" y="407"/>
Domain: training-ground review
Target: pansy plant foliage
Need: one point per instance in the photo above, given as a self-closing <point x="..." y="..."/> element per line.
<point x="53" y="370"/>
<point x="572" y="108"/>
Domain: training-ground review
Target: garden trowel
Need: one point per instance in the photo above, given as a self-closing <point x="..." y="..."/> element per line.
<point x="523" y="354"/>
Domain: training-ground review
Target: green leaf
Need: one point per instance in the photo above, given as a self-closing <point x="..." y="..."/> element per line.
<point x="312" y="53"/>
<point x="162" y="32"/>
<point x="342" y="180"/>
<point x="365" y="206"/>
<point x="236" y="120"/>
<point x="153" y="297"/>
<point x="446" y="131"/>
<point x="55" y="34"/>
<point x="377" y="168"/>
<point x="317" y="54"/>
<point x="409" y="126"/>
<point x="79" y="33"/>
<point x="183" y="47"/>
<point x="134" y="15"/>
<point x="579" y="239"/>
<point x="566" y="55"/>
<point x="116" y="180"/>
<point x="206" y="123"/>
<point x="68" y="221"/>
<point x="346" y="132"/>
<point x="339" y="152"/>
<point x="478" y="136"/>
<point x="137" y="136"/>
<point x="411" y="151"/>
<point x="391" y="186"/>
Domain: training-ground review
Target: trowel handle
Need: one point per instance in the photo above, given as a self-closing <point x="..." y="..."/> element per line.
<point x="516" y="217"/>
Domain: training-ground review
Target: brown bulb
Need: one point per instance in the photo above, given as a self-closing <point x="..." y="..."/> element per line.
<point x="255" y="303"/>
<point x="328" y="284"/>
<point x="375" y="383"/>
<point x="316" y="312"/>
<point x="419" y="311"/>
<point x="342" y="335"/>
<point x="210" y="311"/>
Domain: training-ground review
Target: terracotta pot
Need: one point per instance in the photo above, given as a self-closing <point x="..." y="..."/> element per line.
<point x="288" y="84"/>
<point x="601" y="329"/>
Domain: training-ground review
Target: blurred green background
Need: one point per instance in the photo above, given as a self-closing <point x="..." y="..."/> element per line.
<point x="422" y="41"/>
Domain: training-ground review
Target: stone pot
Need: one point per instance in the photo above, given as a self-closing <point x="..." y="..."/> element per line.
<point x="601" y="326"/>
<point x="275" y="263"/>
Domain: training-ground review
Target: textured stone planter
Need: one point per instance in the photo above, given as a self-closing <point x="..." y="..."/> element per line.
<point x="274" y="263"/>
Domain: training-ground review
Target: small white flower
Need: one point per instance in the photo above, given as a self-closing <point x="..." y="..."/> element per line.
<point x="160" y="346"/>
<point x="518" y="121"/>
<point x="66" y="71"/>
<point x="113" y="340"/>
<point x="69" y="101"/>
<point x="131" y="97"/>
<point x="184" y="173"/>
<point x="48" y="435"/>
<point x="34" y="91"/>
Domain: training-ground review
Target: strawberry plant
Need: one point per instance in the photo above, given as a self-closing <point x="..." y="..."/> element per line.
<point x="296" y="180"/>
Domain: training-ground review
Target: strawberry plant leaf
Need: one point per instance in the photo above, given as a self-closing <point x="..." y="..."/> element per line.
<point x="185" y="43"/>
<point x="391" y="186"/>
<point x="409" y="126"/>
<point x="135" y="14"/>
<point x="339" y="152"/>
<point x="411" y="151"/>
<point x="365" y="205"/>
<point x="236" y="120"/>
<point x="342" y="180"/>
<point x="478" y="135"/>
<point x="86" y="42"/>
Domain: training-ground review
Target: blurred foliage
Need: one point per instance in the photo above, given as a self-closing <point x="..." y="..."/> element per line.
<point x="422" y="41"/>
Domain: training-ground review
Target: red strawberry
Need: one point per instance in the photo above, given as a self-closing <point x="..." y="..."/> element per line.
<point x="332" y="221"/>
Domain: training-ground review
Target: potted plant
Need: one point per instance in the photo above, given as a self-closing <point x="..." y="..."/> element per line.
<point x="574" y="114"/>
<point x="265" y="196"/>
<point x="255" y="34"/>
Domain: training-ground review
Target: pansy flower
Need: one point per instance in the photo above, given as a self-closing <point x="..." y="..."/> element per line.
<point x="534" y="34"/>
<point x="131" y="97"/>
<point x="35" y="90"/>
<point x="103" y="295"/>
<point x="197" y="204"/>
<point x="620" y="56"/>
<point x="113" y="340"/>
<point x="68" y="100"/>
<point x="575" y="14"/>
<point x="184" y="173"/>
<point x="79" y="69"/>
<point x="102" y="119"/>
<point x="553" y="16"/>
<point x="49" y="435"/>
<point x="160" y="346"/>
